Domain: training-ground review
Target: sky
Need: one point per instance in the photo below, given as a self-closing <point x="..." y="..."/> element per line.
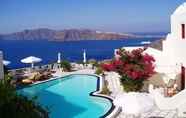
<point x="104" y="15"/>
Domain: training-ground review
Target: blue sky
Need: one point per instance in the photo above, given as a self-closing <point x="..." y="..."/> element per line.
<point x="105" y="15"/>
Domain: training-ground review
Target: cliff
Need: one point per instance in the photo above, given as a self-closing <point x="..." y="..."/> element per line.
<point x="64" y="35"/>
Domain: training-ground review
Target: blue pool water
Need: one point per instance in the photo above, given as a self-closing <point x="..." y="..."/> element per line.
<point x="15" y="50"/>
<point x="69" y="97"/>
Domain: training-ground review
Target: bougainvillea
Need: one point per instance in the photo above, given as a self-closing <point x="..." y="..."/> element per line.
<point x="134" y="66"/>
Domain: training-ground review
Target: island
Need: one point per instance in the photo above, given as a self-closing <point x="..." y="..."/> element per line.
<point x="65" y="35"/>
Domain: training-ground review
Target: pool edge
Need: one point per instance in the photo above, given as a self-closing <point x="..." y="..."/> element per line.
<point x="111" y="113"/>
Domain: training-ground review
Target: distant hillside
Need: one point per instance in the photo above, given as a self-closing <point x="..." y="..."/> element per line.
<point x="157" y="44"/>
<point x="65" y="35"/>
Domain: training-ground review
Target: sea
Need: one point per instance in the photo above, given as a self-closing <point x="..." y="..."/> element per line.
<point x="15" y="50"/>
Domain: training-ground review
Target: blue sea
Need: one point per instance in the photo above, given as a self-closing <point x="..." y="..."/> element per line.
<point x="15" y="50"/>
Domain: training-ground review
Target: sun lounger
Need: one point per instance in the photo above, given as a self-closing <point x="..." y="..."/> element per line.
<point x="30" y="79"/>
<point x="27" y="81"/>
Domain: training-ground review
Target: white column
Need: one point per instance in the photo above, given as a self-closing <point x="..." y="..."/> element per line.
<point x="1" y="66"/>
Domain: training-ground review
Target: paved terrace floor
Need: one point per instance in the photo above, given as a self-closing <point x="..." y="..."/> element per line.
<point x="115" y="87"/>
<point x="155" y="113"/>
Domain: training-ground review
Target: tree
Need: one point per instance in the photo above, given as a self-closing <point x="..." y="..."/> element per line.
<point x="13" y="105"/>
<point x="66" y="65"/>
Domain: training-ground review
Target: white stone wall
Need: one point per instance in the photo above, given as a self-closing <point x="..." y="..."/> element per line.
<point x="174" y="47"/>
<point x="178" y="18"/>
<point x="176" y="26"/>
<point x="173" y="55"/>
<point x="169" y="60"/>
<point x="1" y="66"/>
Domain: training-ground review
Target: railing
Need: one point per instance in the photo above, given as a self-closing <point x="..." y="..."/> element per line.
<point x="53" y="66"/>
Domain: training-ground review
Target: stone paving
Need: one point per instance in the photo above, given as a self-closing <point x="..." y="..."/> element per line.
<point x="115" y="88"/>
<point x="155" y="113"/>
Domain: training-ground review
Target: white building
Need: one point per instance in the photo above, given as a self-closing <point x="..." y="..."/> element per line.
<point x="170" y="62"/>
<point x="172" y="59"/>
<point x="1" y="66"/>
<point x="173" y="56"/>
<point x="174" y="46"/>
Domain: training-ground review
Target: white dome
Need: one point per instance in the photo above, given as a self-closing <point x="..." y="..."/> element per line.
<point x="181" y="9"/>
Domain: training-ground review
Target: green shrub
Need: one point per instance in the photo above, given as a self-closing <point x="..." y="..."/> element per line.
<point x="90" y="61"/>
<point x="99" y="71"/>
<point x="131" y="85"/>
<point x="93" y="62"/>
<point x="13" y="105"/>
<point x="105" y="89"/>
<point x="66" y="65"/>
<point x="8" y="77"/>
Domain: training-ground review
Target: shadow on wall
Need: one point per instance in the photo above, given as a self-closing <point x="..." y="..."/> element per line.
<point x="158" y="81"/>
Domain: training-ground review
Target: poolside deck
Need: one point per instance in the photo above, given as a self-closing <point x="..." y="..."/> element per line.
<point x="155" y="113"/>
<point x="114" y="86"/>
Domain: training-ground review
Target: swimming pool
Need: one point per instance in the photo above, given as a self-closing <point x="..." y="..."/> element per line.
<point x="69" y="97"/>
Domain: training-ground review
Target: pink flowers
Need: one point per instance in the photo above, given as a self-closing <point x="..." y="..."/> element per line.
<point x="148" y="59"/>
<point x="107" y="67"/>
<point x="134" y="65"/>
